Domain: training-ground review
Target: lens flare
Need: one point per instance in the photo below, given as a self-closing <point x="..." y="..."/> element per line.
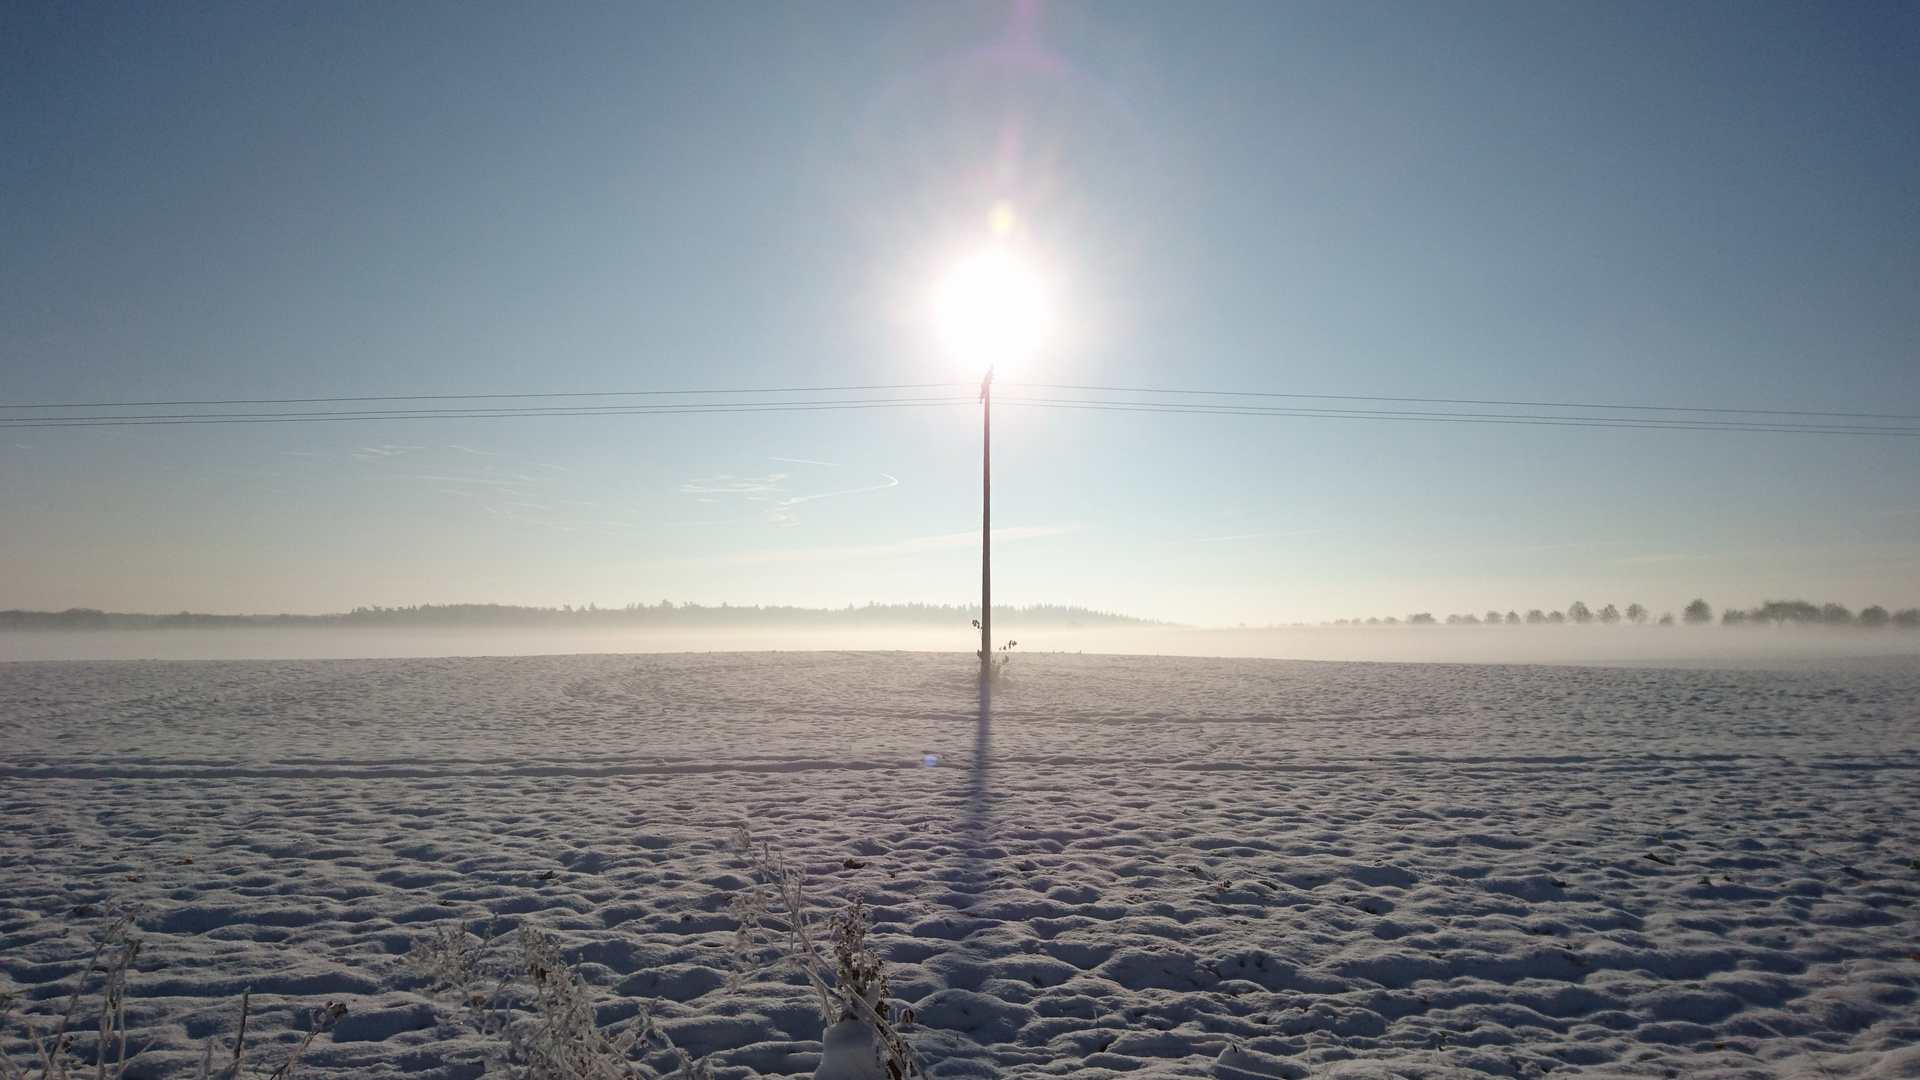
<point x="992" y="309"/>
<point x="1002" y="220"/>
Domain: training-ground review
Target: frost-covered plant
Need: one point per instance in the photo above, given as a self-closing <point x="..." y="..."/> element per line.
<point x="858" y="970"/>
<point x="115" y="948"/>
<point x="323" y="1021"/>
<point x="777" y="930"/>
<point x="997" y="665"/>
<point x="537" y="1013"/>
<point x="454" y="962"/>
<point x="51" y="1047"/>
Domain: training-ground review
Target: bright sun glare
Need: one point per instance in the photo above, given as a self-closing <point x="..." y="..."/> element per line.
<point x="991" y="309"/>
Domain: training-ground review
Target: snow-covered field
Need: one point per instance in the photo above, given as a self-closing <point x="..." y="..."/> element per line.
<point x="1155" y="866"/>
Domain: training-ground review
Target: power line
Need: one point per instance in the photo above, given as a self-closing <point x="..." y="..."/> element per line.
<point x="471" y="414"/>
<point x="951" y="385"/>
<point x="1461" y="401"/>
<point x="485" y="397"/>
<point x="887" y="396"/>
<point x="1522" y="419"/>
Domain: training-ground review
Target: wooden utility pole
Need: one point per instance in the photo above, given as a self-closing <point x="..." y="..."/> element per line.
<point x="986" y="527"/>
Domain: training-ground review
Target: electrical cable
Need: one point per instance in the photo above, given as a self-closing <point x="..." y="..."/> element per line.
<point x="1462" y="401"/>
<point x="1523" y="419"/>
<point x="484" y="397"/>
<point x="887" y="396"/>
<point x="470" y="414"/>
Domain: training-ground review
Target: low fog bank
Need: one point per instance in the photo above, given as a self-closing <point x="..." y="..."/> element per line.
<point x="1622" y="646"/>
<point x="273" y="643"/>
<point x="665" y="615"/>
<point x="507" y="630"/>
<point x="1597" y="645"/>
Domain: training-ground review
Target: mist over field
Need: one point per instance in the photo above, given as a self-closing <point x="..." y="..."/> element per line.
<point x="930" y="628"/>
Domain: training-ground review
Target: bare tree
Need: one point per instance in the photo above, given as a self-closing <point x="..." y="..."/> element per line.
<point x="1578" y="612"/>
<point x="1783" y="611"/>
<point x="1609" y="615"/>
<point x="1636" y="614"/>
<point x="1697" y="613"/>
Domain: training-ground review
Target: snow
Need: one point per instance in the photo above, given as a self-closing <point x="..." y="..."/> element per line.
<point x="1156" y="866"/>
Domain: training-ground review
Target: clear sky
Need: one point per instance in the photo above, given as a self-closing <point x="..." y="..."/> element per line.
<point x="1695" y="205"/>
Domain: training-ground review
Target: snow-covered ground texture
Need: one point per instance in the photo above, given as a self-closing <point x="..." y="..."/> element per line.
<point x="1144" y="866"/>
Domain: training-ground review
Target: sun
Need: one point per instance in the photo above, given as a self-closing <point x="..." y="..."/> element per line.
<point x="991" y="308"/>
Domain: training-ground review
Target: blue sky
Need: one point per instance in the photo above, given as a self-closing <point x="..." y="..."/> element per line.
<point x="1699" y="205"/>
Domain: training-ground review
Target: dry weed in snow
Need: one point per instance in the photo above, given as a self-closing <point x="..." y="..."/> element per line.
<point x="777" y="930"/>
<point x="52" y="1043"/>
<point x="54" y="1050"/>
<point x="538" y="1015"/>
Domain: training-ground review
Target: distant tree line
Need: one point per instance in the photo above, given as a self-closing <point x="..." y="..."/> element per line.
<point x="1697" y="613"/>
<point x="665" y="613"/>
<point x="1800" y="612"/>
